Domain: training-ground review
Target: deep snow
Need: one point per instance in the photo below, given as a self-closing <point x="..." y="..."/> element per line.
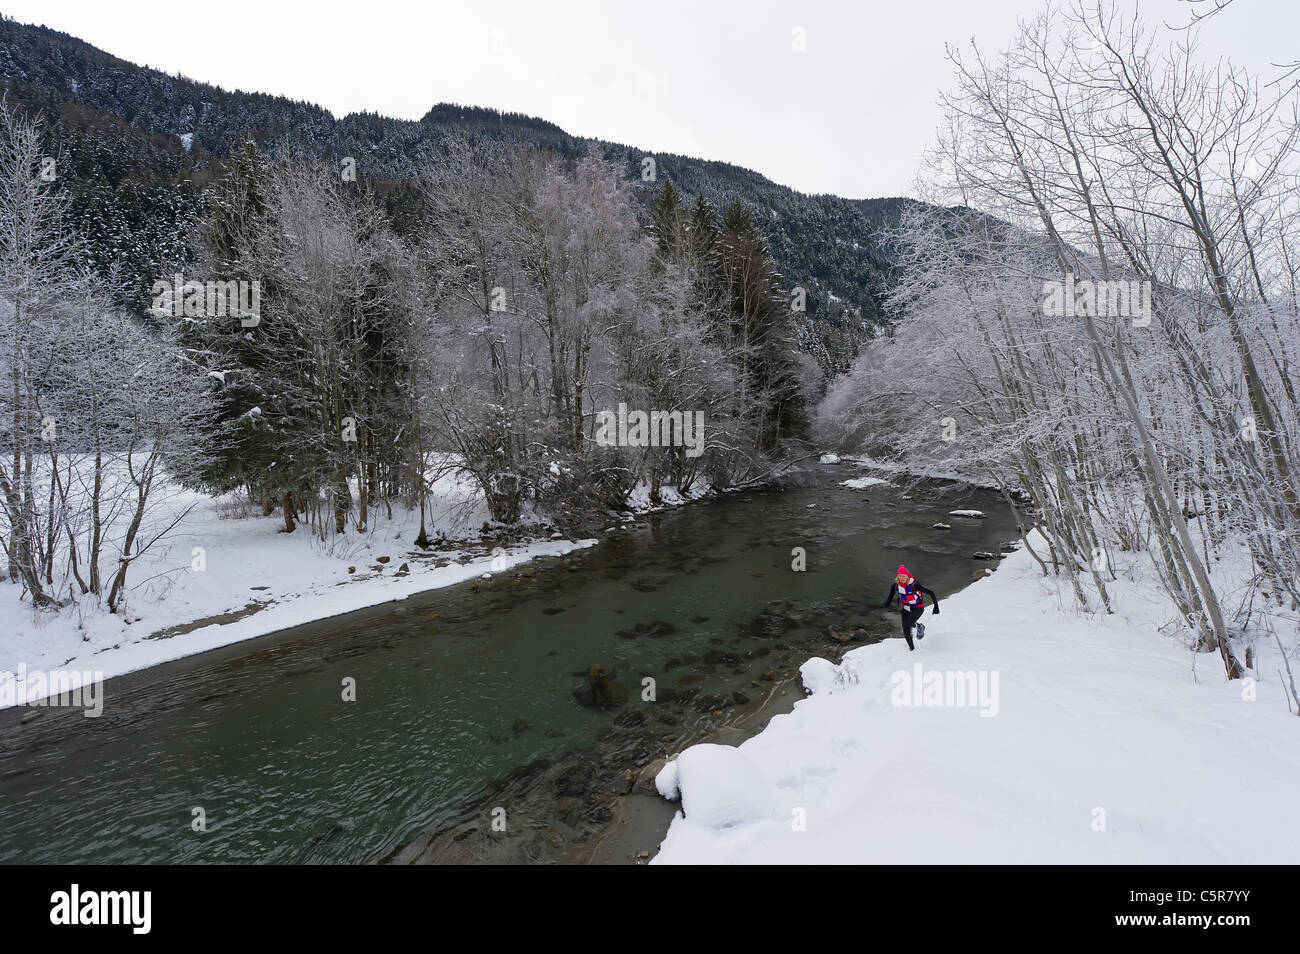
<point x="1096" y="739"/>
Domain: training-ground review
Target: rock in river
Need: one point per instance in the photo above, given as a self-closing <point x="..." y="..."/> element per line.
<point x="601" y="691"/>
<point x="845" y="633"/>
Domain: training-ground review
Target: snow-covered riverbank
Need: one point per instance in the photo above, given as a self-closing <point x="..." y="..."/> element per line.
<point x="1019" y="731"/>
<point x="231" y="572"/>
<point x="226" y="573"/>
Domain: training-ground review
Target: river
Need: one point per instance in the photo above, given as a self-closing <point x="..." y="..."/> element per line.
<point x="478" y="732"/>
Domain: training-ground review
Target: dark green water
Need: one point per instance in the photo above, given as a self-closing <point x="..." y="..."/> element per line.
<point x="465" y="699"/>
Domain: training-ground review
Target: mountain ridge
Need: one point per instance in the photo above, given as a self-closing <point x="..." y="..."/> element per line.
<point x="142" y="145"/>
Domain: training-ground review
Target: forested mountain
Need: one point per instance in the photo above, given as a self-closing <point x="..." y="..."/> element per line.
<point x="137" y="150"/>
<point x="327" y="317"/>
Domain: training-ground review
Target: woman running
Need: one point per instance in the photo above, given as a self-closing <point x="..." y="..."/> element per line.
<point x="909" y="593"/>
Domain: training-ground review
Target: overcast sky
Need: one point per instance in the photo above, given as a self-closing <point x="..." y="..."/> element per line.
<point x="722" y="79"/>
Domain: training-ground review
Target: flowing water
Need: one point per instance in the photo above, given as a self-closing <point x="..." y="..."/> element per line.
<point x="476" y="704"/>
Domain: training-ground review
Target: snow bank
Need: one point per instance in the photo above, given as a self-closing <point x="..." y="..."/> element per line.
<point x="718" y="786"/>
<point x="1019" y="732"/>
<point x="270" y="580"/>
<point x="638" y="501"/>
<point x="928" y="470"/>
<point x="860" y="483"/>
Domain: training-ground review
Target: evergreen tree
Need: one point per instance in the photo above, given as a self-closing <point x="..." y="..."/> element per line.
<point x="759" y="322"/>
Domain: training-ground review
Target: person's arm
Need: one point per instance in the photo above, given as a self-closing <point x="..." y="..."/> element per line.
<point x="893" y="589"/>
<point x="934" y="599"/>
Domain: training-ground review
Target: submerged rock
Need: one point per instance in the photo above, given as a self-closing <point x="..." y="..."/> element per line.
<point x="845" y="633"/>
<point x="645" y="779"/>
<point x="687" y="679"/>
<point x="631" y="719"/>
<point x="712" y="702"/>
<point x="715" y="657"/>
<point x="573" y="781"/>
<point x="601" y="691"/>
<point x="679" y="695"/>
<point x="789" y="613"/>
<point x="654" y="629"/>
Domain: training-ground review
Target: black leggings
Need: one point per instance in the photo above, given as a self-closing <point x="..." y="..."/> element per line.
<point x="910" y="617"/>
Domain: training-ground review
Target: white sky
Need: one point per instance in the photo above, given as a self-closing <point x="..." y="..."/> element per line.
<point x="717" y="79"/>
